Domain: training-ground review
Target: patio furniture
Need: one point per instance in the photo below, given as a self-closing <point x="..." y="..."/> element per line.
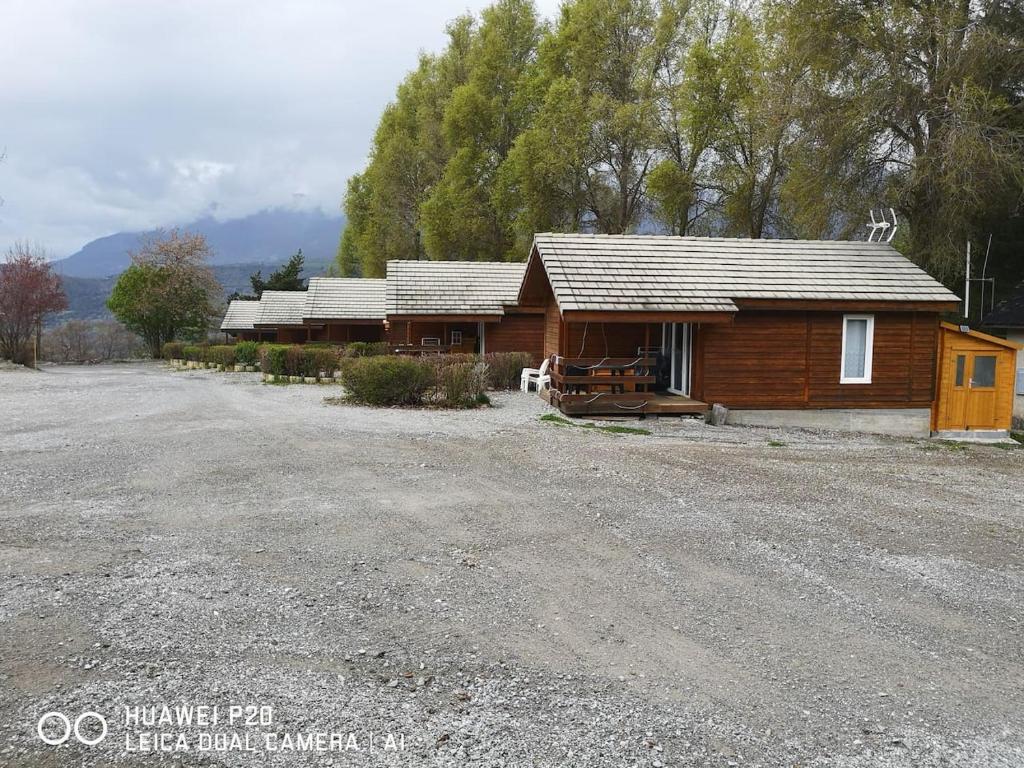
<point x="537" y="376"/>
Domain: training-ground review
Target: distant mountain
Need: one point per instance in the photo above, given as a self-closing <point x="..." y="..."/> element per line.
<point x="264" y="238"/>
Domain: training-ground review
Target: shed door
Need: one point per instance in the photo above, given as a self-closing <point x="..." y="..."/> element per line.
<point x="970" y="391"/>
<point x="981" y="391"/>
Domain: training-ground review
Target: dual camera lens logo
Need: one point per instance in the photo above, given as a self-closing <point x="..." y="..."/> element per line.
<point x="58" y="721"/>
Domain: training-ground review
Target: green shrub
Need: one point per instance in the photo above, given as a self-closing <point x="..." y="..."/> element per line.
<point x="272" y="359"/>
<point x="387" y="379"/>
<point x="247" y="352"/>
<point x="192" y="352"/>
<point x="459" y="383"/>
<point x="505" y="369"/>
<point x="295" y="360"/>
<point x="172" y="350"/>
<point x="320" y="360"/>
<point x="366" y="349"/>
<point x="222" y="354"/>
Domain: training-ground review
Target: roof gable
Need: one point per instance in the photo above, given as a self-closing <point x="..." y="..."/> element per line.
<point x="345" y="298"/>
<point x="648" y="273"/>
<point x="280" y="308"/>
<point x="452" y="287"/>
<point x="240" y="315"/>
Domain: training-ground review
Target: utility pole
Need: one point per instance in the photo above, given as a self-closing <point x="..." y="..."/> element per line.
<point x="967" y="286"/>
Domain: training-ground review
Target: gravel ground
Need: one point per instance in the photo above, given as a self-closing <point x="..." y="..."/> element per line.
<point x="490" y="589"/>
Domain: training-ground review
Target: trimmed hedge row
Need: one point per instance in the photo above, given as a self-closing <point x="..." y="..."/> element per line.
<point x="298" y="360"/>
<point x="448" y="381"/>
<point x="369" y="374"/>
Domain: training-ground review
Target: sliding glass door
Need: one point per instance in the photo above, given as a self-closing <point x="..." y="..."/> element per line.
<point x="678" y="339"/>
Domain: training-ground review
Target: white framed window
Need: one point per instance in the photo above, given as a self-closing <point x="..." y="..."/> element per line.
<point x="858" y="340"/>
<point x="456" y="337"/>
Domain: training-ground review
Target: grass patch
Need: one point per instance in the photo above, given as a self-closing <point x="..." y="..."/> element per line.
<point x="1018" y="436"/>
<point x="612" y="429"/>
<point x="776" y="444"/>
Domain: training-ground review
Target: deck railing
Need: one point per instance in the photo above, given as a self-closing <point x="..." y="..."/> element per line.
<point x="617" y="375"/>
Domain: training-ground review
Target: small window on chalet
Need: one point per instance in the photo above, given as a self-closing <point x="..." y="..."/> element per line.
<point x="456" y="337"/>
<point x="858" y="340"/>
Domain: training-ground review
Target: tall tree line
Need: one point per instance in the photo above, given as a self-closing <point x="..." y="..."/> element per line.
<point x="765" y="119"/>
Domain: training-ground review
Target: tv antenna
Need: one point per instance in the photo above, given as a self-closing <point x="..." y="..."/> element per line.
<point x="882" y="227"/>
<point x="984" y="280"/>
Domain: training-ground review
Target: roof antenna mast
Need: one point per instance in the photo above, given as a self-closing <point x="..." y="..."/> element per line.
<point x="885" y="230"/>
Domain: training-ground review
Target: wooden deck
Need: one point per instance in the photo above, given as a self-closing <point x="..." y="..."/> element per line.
<point x="624" y="404"/>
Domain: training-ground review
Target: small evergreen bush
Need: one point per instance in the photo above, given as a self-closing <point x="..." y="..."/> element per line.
<point x="387" y="379"/>
<point x="505" y="369"/>
<point x="320" y="360"/>
<point x="272" y="359"/>
<point x="222" y="354"/>
<point x="366" y="349"/>
<point x="295" y="360"/>
<point x="173" y="350"/>
<point x="247" y="352"/>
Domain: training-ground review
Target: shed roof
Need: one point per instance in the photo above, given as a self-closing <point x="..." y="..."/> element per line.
<point x="345" y="298"/>
<point x="281" y="308"/>
<point x="706" y="274"/>
<point x="1009" y="313"/>
<point x="978" y="335"/>
<point x="240" y="315"/>
<point x="452" y="287"/>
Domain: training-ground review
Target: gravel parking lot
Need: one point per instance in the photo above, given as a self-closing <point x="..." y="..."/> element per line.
<point x="490" y="589"/>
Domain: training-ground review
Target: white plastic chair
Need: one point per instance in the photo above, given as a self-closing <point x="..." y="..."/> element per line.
<point x="538" y="376"/>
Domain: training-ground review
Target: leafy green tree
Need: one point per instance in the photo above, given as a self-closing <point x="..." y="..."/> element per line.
<point x="168" y="291"/>
<point x="481" y="121"/>
<point x="407" y="159"/>
<point x="286" y="278"/>
<point x="609" y="48"/>
<point x="920" y="104"/>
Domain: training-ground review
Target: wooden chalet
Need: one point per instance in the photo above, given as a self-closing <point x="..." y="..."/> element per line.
<point x="281" y="312"/>
<point x="460" y="306"/>
<point x="785" y="332"/>
<point x="344" y="309"/>
<point x="238" y="321"/>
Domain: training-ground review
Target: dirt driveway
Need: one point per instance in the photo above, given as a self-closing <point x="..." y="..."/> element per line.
<point x="486" y="588"/>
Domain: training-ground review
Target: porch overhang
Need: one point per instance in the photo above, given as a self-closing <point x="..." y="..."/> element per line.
<point x="444" y="318"/>
<point x="316" y="322"/>
<point x="592" y="316"/>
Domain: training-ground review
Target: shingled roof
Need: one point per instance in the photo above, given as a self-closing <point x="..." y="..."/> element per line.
<point x="344" y="298"/>
<point x="240" y="314"/>
<point x="705" y="274"/>
<point x="1009" y="313"/>
<point x="452" y="287"/>
<point x="281" y="308"/>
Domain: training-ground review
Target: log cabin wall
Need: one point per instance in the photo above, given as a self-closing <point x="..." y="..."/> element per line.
<point x="552" y="328"/>
<point x="344" y="333"/>
<point x="292" y="335"/>
<point x="398" y="332"/>
<point x="442" y="331"/>
<point x="517" y="332"/>
<point x="781" y="359"/>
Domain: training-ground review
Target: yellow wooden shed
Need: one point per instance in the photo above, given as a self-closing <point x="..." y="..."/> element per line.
<point x="974" y="386"/>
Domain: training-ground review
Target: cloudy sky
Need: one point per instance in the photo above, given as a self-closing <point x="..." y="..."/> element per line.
<point x="124" y="115"/>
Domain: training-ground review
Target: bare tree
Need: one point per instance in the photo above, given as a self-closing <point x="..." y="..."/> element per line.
<point x="29" y="290"/>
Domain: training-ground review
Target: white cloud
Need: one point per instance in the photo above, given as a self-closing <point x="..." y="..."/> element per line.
<point x="126" y="115"/>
